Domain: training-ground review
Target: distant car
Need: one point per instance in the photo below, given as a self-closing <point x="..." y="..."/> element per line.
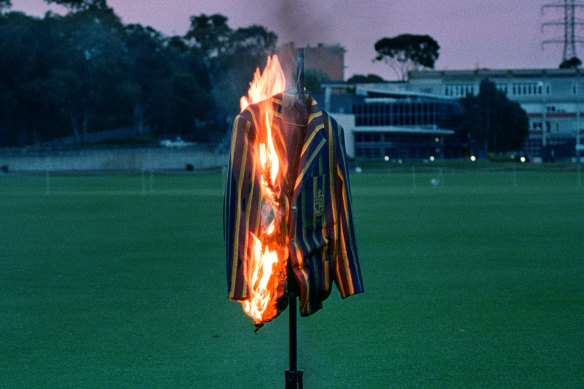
<point x="177" y="142"/>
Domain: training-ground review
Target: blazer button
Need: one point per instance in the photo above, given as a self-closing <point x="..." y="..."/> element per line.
<point x="292" y="240"/>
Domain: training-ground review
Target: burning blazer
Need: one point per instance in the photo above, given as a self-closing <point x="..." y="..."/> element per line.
<point x="321" y="238"/>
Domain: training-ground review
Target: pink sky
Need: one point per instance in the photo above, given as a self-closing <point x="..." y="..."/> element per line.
<point x="489" y="34"/>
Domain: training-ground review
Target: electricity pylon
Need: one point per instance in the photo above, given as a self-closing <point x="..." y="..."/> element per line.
<point x="569" y="24"/>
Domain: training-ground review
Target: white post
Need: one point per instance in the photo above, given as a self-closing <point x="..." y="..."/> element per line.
<point x="224" y="177"/>
<point x="48" y="183"/>
<point x="414" y="178"/>
<point x="578" y="92"/>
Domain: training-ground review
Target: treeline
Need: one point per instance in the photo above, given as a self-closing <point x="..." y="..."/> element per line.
<point x="86" y="71"/>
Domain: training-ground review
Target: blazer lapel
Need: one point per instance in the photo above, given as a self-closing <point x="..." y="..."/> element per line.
<point x="313" y="144"/>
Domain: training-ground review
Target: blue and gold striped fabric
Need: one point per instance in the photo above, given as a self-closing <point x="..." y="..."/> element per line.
<point x="321" y="238"/>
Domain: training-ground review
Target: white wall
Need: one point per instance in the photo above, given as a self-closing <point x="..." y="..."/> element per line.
<point x="347" y="121"/>
<point x="131" y="159"/>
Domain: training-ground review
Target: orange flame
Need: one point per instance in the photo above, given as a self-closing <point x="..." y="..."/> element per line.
<point x="263" y="264"/>
<point x="264" y="85"/>
<point x="262" y="269"/>
<point x="269" y="162"/>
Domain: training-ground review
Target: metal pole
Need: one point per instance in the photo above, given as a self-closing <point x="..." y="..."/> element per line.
<point x="300" y="72"/>
<point x="293" y="375"/>
<point x="293" y="334"/>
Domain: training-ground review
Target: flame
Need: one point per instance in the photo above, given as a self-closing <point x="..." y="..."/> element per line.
<point x="267" y="262"/>
<point x="269" y="162"/>
<point x="264" y="85"/>
<point x="262" y="268"/>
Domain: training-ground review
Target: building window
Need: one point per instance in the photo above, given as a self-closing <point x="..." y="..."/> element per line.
<point x="536" y="125"/>
<point x="459" y="89"/>
<point x="528" y="88"/>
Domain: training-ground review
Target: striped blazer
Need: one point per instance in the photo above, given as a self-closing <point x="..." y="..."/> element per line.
<point x="321" y="238"/>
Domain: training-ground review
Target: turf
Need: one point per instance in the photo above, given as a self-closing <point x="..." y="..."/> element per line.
<point x="118" y="281"/>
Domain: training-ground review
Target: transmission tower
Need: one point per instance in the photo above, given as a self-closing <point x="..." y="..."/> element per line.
<point x="569" y="24"/>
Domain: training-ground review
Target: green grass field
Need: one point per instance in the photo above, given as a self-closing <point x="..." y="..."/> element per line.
<point x="118" y="281"/>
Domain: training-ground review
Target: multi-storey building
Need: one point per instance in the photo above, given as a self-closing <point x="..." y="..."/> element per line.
<point x="329" y="59"/>
<point x="384" y="121"/>
<point x="552" y="98"/>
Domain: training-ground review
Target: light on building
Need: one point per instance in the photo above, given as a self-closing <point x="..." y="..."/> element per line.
<point x="473" y="158"/>
<point x="386" y="158"/>
<point x="431" y="158"/>
<point x="436" y="139"/>
<point x="522" y="159"/>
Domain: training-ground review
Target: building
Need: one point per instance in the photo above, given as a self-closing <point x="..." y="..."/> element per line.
<point x="552" y="98"/>
<point x="327" y="59"/>
<point x="385" y="121"/>
<point x="402" y="119"/>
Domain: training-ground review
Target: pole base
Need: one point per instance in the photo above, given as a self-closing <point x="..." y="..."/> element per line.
<point x="294" y="379"/>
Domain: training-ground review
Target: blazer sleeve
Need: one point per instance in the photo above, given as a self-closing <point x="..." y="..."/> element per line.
<point x="348" y="270"/>
<point x="239" y="217"/>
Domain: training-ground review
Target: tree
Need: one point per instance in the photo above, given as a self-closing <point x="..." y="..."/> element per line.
<point x="230" y="57"/>
<point x="571" y="63"/>
<point x="85" y="71"/>
<point x="5" y="4"/>
<point x="25" y="52"/>
<point x="493" y="122"/>
<point x="78" y="5"/>
<point x="361" y="79"/>
<point x="222" y="46"/>
<point x="407" y="52"/>
<point x="312" y="80"/>
<point x="210" y="33"/>
<point x="148" y="65"/>
<point x="91" y="55"/>
<point x="255" y="40"/>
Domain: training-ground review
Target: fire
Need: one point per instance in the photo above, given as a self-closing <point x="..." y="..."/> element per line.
<point x="262" y="269"/>
<point x="264" y="85"/>
<point x="269" y="162"/>
<point x="267" y="263"/>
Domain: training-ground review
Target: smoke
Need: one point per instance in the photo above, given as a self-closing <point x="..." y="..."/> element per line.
<point x="299" y="23"/>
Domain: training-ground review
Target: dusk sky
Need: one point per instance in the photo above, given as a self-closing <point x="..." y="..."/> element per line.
<point x="489" y="34"/>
